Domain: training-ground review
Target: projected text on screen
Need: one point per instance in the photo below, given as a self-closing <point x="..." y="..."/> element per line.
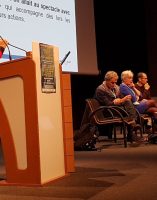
<point x="51" y="22"/>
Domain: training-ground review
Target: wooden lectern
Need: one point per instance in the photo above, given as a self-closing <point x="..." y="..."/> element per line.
<point x="36" y="127"/>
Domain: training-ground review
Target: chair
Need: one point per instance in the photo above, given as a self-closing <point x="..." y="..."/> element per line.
<point x="106" y="115"/>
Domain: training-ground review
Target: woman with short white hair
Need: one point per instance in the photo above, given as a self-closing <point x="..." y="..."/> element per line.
<point x="126" y="74"/>
<point x="127" y="87"/>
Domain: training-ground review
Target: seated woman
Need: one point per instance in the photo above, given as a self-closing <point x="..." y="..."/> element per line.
<point x="128" y="87"/>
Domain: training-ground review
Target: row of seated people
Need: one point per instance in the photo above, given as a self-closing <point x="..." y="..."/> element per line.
<point x="130" y="96"/>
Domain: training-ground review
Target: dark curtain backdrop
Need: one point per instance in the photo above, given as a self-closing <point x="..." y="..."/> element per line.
<point x="121" y="35"/>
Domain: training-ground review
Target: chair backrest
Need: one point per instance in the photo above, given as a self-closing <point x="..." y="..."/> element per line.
<point x="101" y="114"/>
<point x="94" y="105"/>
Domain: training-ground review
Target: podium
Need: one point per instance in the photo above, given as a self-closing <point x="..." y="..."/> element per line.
<point x="36" y="123"/>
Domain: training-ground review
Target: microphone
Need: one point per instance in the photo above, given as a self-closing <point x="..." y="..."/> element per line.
<point x="65" y="57"/>
<point x="3" y="48"/>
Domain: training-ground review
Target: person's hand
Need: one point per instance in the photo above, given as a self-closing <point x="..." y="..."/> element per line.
<point x="131" y="85"/>
<point x="147" y="86"/>
<point x="117" y="101"/>
<point x="127" y="97"/>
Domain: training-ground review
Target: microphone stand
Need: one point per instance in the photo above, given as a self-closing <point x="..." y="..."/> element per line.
<point x="17" y="47"/>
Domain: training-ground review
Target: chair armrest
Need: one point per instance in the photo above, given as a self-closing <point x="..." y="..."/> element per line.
<point x="111" y="110"/>
<point x="121" y="110"/>
<point x="101" y="108"/>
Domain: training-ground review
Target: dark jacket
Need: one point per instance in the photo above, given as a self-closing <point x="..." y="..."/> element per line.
<point x="106" y="97"/>
<point x="145" y="94"/>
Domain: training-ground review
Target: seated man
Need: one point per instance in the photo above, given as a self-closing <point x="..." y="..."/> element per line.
<point x="108" y="93"/>
<point x="144" y="88"/>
